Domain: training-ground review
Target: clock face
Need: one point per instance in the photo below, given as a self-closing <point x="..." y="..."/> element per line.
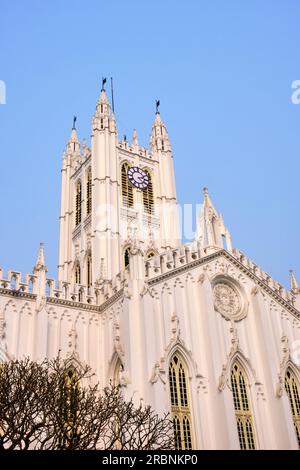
<point x="138" y="177"/>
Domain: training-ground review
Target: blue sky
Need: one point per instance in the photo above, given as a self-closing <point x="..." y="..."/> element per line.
<point x="223" y="72"/>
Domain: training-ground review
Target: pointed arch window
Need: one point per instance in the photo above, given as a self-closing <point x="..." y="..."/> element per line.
<point x="292" y="388"/>
<point x="77" y="274"/>
<point x="78" y="204"/>
<point x="148" y="198"/>
<point x="89" y="270"/>
<point x="70" y="410"/>
<point x="242" y="406"/>
<point x="180" y="404"/>
<point x="117" y="372"/>
<point x="89" y="192"/>
<point x="126" y="257"/>
<point x="126" y="187"/>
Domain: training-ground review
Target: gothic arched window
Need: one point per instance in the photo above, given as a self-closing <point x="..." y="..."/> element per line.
<point x="117" y="372"/>
<point x="89" y="192"/>
<point x="180" y="405"/>
<point x="77" y="274"/>
<point x="89" y="271"/>
<point x="78" y="204"/>
<point x="70" y="410"/>
<point x="243" y="414"/>
<point x="148" y="198"/>
<point x="126" y="187"/>
<point x="292" y="388"/>
<point x="126" y="257"/>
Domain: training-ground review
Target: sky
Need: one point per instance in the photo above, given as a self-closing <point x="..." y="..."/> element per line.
<point x="223" y="72"/>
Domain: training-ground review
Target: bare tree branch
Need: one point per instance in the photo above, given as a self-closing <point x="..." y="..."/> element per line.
<point x="48" y="405"/>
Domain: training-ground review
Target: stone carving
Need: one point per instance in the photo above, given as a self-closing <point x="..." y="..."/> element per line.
<point x="255" y="290"/>
<point x="283" y="365"/>
<point x="41" y="303"/>
<point x="233" y="350"/>
<point x="227" y="300"/>
<point x="2" y="325"/>
<point x="72" y="343"/>
<point x="117" y="338"/>
<point x="159" y="372"/>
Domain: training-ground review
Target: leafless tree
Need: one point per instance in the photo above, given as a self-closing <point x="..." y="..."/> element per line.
<point x="50" y="405"/>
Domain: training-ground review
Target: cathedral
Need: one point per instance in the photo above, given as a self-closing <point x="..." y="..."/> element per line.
<point x="197" y="330"/>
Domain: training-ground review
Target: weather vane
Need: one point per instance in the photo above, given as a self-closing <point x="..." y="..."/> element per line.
<point x="103" y="82"/>
<point x="157" y="103"/>
<point x="74" y="121"/>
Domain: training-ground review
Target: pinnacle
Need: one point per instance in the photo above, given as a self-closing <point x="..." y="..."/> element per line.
<point x="40" y="264"/>
<point x="293" y="280"/>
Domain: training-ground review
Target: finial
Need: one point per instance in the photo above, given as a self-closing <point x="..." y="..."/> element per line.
<point x="125" y="138"/>
<point x="103" y="83"/>
<point x="74" y="122"/>
<point x="157" y="104"/>
<point x="205" y="191"/>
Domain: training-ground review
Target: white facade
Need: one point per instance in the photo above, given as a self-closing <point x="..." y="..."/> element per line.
<point x="205" y="303"/>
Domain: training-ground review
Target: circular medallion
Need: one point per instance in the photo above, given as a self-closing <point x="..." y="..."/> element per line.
<point x="227" y="300"/>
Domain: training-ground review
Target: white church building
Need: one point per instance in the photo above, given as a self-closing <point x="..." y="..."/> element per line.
<point x="197" y="330"/>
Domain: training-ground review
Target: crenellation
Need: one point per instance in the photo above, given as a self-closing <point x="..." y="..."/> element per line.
<point x="134" y="149"/>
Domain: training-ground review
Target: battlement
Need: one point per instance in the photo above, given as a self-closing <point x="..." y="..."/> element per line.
<point x="186" y="254"/>
<point x="51" y="289"/>
<point x="262" y="275"/>
<point x="134" y="149"/>
<point x="171" y="261"/>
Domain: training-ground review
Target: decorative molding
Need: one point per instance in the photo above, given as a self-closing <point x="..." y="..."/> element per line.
<point x="234" y="350"/>
<point x="17" y="293"/>
<point x="74" y="304"/>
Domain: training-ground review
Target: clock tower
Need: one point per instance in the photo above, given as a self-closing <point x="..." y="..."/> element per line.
<point x="115" y="195"/>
